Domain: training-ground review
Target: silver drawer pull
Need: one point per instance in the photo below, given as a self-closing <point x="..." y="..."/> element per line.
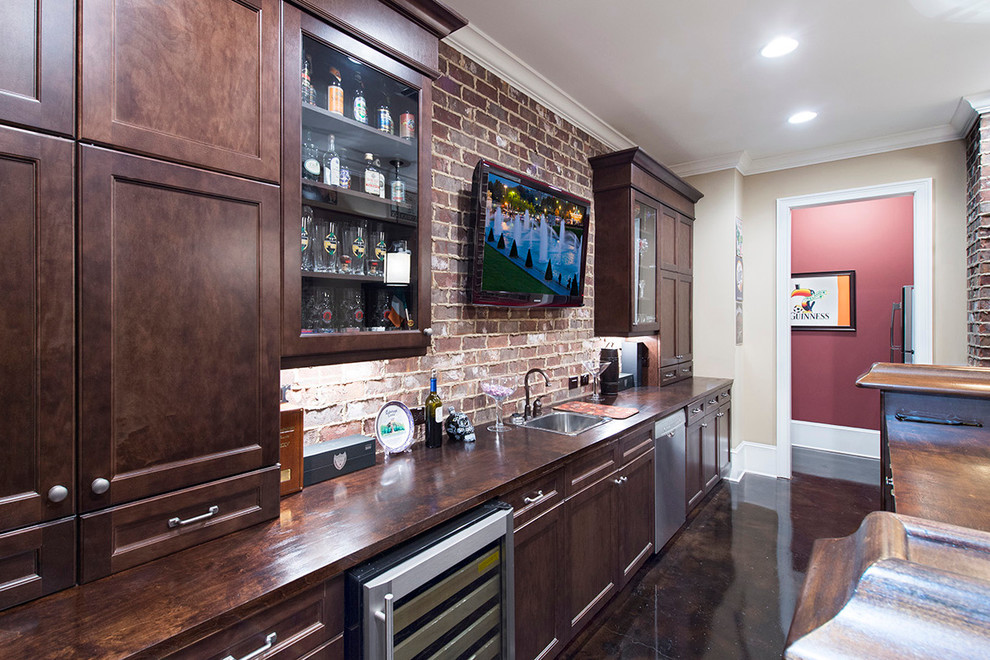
<point x="686" y="370"/>
<point x="536" y="498"/>
<point x="695" y="411"/>
<point x="713" y="401"/>
<point x="620" y="481"/>
<point x="720" y="414"/>
<point x="178" y="522"/>
<point x="924" y="419"/>
<point x="269" y="642"/>
<point x="670" y="375"/>
<point x="678" y="357"/>
<point x="724" y="395"/>
<point x="670" y="435"/>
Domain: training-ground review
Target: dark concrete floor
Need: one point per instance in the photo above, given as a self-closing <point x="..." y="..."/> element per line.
<point x="726" y="586"/>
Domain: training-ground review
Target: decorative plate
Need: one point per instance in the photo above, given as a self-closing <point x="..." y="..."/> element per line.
<point x="394" y="427"/>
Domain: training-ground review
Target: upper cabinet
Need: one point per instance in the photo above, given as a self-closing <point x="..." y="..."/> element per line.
<point x="194" y="81"/>
<point x="643" y="262"/>
<point x="37" y="49"/>
<point x="356" y="177"/>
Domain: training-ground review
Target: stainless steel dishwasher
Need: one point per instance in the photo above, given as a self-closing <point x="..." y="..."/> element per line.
<point x="669" y="459"/>
<point x="445" y="595"/>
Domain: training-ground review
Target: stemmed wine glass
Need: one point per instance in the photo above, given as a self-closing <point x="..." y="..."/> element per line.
<point x="499" y="388"/>
<point x="595" y="368"/>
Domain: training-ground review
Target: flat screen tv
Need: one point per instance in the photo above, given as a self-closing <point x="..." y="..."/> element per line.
<point x="530" y="243"/>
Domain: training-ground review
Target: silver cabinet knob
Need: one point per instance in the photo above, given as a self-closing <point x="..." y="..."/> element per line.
<point x="100" y="486"/>
<point x="57" y="493"/>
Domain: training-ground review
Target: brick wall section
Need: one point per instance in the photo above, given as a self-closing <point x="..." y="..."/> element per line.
<point x="978" y="240"/>
<point x="475" y="115"/>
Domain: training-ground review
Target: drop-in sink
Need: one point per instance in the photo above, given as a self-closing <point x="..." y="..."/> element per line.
<point x="566" y="423"/>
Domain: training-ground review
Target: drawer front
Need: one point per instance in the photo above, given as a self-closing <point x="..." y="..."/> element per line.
<point x="724" y="396"/>
<point x="36" y="561"/>
<point x="696" y="410"/>
<point x="590" y="468"/>
<point x="131" y="534"/>
<point x="635" y="443"/>
<point x="537" y="496"/>
<point x="301" y="626"/>
<point x="676" y="372"/>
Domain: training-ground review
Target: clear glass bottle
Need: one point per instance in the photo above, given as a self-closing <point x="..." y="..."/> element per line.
<point x="381" y="179"/>
<point x="398" y="188"/>
<point x="360" y="105"/>
<point x="311" y="167"/>
<point x="372" y="180"/>
<point x="331" y="164"/>
<point x="345" y="172"/>
<point x="306" y="230"/>
<point x="335" y="93"/>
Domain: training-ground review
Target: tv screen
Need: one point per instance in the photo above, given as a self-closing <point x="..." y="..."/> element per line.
<point x="530" y="241"/>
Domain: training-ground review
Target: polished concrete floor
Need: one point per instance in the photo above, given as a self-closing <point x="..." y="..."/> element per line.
<point x="727" y="585"/>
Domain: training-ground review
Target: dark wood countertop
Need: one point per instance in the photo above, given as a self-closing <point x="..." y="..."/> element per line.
<point x="155" y="608"/>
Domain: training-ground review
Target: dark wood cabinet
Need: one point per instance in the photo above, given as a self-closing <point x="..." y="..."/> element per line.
<point x="37" y="560"/>
<point x="709" y="452"/>
<point x="694" y="485"/>
<point x="37" y="49"/>
<point x="539" y="583"/>
<point x="702" y="466"/>
<point x="191" y="81"/>
<point x="37" y="393"/>
<point x="339" y="232"/>
<point x="636" y="508"/>
<point x="644" y="260"/>
<point x="179" y="296"/>
<point x="723" y="433"/>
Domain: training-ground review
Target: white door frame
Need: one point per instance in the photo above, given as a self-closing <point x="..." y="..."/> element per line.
<point x="921" y="189"/>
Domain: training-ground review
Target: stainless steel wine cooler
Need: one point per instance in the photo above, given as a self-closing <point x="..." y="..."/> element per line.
<point x="447" y="594"/>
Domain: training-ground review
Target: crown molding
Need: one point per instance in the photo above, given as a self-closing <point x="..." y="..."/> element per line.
<point x="748" y="166"/>
<point x="487" y="52"/>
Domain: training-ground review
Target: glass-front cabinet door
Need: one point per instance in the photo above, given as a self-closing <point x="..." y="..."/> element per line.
<point x="356" y="191"/>
<point x="644" y="259"/>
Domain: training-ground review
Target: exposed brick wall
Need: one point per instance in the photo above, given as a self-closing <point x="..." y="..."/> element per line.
<point x="475" y="115"/>
<point x="978" y="240"/>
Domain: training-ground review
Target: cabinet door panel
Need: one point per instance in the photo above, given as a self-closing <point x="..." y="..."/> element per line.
<point x="37" y="440"/>
<point x="709" y="451"/>
<point x="684" y="349"/>
<point x="36" y="79"/>
<point x="669" y="222"/>
<point x="191" y="80"/>
<point x="723" y="425"/>
<point x="179" y="326"/>
<point x="693" y="484"/>
<point x="684" y="244"/>
<point x="636" y="521"/>
<point x="668" y="318"/>
<point x="36" y="561"/>
<point x="591" y="552"/>
<point x="538" y="592"/>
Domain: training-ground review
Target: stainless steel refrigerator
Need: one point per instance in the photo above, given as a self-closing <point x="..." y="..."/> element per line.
<point x="902" y="328"/>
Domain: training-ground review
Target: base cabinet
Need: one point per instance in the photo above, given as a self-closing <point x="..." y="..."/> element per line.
<point x="590" y="555"/>
<point x="636" y="521"/>
<point x="538" y="579"/>
<point x="702" y="466"/>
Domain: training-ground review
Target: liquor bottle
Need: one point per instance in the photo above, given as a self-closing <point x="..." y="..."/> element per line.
<point x="335" y="93"/>
<point x="381" y="179"/>
<point x="345" y="174"/>
<point x="310" y="159"/>
<point x="385" y="118"/>
<point x="372" y="182"/>
<point x="434" y="414"/>
<point x="331" y="165"/>
<point x="308" y="91"/>
<point x="360" y="105"/>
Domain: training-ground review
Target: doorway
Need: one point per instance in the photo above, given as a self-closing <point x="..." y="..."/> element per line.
<point x="919" y="193"/>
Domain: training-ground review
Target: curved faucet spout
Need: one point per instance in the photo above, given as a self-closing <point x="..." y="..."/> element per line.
<point x="527" y="410"/>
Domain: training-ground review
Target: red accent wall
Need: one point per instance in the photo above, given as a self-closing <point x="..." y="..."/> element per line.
<point x="874" y="238"/>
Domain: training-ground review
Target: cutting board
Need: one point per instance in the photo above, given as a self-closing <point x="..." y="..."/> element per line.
<point x="615" y="412"/>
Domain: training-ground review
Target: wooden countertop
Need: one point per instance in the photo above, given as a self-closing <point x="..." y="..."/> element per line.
<point x="155" y="608"/>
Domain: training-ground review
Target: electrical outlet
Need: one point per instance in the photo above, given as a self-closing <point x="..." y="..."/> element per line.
<point x="585" y="379"/>
<point x="572" y="383"/>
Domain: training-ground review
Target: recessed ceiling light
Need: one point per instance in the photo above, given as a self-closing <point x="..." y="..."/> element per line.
<point x="803" y="116"/>
<point x="779" y="46"/>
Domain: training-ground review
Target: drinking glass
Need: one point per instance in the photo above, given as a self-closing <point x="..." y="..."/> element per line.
<point x="320" y="262"/>
<point x="356" y="246"/>
<point x="331" y="246"/>
<point x="376" y="252"/>
<point x="326" y="317"/>
<point x="499" y="388"/>
<point x="595" y="368"/>
<point x="307" y="238"/>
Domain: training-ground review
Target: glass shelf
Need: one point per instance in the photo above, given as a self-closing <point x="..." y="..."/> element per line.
<point x="355" y="202"/>
<point x="359" y="138"/>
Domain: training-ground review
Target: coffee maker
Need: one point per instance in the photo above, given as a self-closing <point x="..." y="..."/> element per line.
<point x="610" y="377"/>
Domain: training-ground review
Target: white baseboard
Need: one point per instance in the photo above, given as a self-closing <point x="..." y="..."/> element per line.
<point x="838" y="439"/>
<point x="753" y="458"/>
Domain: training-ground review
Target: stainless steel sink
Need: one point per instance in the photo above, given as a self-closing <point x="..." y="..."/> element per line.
<point x="566" y="423"/>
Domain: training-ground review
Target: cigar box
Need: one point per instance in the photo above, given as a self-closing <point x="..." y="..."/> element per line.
<point x="333" y="458"/>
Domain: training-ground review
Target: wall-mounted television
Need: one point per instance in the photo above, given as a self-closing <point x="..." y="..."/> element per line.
<point x="531" y="241"/>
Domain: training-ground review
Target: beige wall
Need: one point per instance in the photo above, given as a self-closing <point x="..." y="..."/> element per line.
<point x="753" y="198"/>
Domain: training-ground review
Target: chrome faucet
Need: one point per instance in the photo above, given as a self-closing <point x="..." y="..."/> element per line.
<point x="537" y="405"/>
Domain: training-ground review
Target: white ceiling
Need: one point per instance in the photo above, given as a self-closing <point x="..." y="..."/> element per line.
<point x="685" y="80"/>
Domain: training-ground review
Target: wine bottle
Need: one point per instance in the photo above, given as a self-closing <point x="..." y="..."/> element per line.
<point x="434" y="414"/>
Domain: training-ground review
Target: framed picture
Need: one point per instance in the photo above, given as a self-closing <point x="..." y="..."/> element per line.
<point x="823" y="301"/>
